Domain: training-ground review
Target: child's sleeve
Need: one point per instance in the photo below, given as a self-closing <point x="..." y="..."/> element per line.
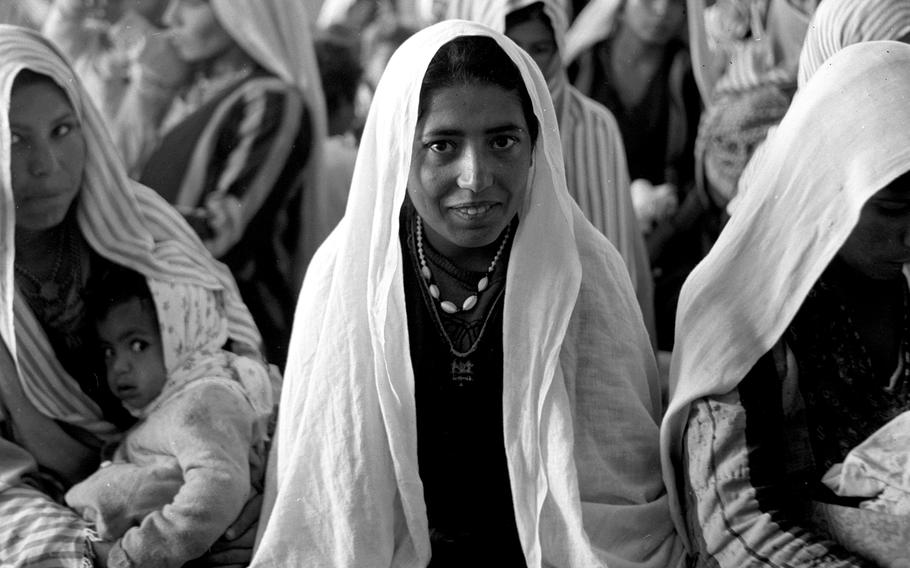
<point x="211" y="439"/>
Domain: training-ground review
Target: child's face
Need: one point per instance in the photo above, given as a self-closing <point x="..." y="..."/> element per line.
<point x="131" y="343"/>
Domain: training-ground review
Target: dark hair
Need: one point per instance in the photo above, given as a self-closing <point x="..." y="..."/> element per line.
<point x="530" y="13"/>
<point x="114" y="286"/>
<point x="468" y="60"/>
<point x="27" y="77"/>
<point x="340" y="70"/>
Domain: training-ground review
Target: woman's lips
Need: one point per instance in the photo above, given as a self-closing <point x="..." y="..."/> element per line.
<point x="473" y="211"/>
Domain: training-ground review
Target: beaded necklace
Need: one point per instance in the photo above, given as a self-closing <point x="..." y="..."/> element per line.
<point x="48" y="290"/>
<point x="471" y="301"/>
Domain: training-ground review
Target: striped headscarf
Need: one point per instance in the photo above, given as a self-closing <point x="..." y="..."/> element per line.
<point x="120" y="220"/>
<point x="839" y="23"/>
<point x="278" y="34"/>
<point x="596" y="171"/>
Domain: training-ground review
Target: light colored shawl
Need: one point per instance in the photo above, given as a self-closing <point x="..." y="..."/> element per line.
<point x="839" y="23"/>
<point x="810" y="185"/>
<point x="278" y="34"/>
<point x="122" y="221"/>
<point x="594" y="23"/>
<point x="595" y="158"/>
<point x="580" y="391"/>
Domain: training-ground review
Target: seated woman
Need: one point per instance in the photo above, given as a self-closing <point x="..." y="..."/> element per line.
<point x="239" y="152"/>
<point x="69" y="211"/>
<point x="793" y="333"/>
<point x="470" y="376"/>
<point x="597" y="176"/>
<point x="634" y="63"/>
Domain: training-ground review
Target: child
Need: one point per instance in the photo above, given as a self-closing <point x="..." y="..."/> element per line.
<point x="201" y="409"/>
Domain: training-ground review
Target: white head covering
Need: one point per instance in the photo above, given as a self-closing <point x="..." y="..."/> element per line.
<point x="594" y="23"/>
<point x="193" y="331"/>
<point x="596" y="168"/>
<point x="839" y="23"/>
<point x="344" y="487"/>
<point x="121" y="220"/>
<point x="811" y="183"/>
<point x="278" y="34"/>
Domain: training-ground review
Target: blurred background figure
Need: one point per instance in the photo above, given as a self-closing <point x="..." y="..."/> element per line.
<point x="239" y="151"/>
<point x="629" y="55"/>
<point x="25" y="13"/>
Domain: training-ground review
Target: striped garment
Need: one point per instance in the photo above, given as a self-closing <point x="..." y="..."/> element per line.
<point x="839" y="23"/>
<point x="124" y="223"/>
<point x="233" y="168"/>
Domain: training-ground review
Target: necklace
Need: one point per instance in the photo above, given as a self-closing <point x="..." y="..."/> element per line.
<point x="471" y="301"/>
<point x="49" y="288"/>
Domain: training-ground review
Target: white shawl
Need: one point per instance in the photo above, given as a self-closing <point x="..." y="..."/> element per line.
<point x="595" y="158"/>
<point x="580" y="388"/>
<point x="846" y="136"/>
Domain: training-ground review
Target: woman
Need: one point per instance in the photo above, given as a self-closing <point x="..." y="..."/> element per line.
<point x="628" y="56"/>
<point x="792" y="335"/>
<point x="69" y="210"/>
<point x="596" y="171"/>
<point x="239" y="152"/>
<point x="388" y="449"/>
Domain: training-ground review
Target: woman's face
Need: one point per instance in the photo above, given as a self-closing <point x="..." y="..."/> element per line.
<point x="536" y="38"/>
<point x="195" y="31"/>
<point x="879" y="245"/>
<point x="470" y="165"/>
<point x="47" y="157"/>
<point x="654" y="22"/>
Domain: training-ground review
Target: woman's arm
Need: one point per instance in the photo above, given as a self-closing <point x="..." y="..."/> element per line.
<point x="748" y="474"/>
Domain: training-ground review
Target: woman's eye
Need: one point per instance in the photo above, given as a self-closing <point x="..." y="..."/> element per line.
<point x="15" y="138"/>
<point x="893" y="207"/>
<point x="107" y="352"/>
<point x="440" y="146"/>
<point x="503" y="142"/>
<point x="62" y="130"/>
<point x="138" y="346"/>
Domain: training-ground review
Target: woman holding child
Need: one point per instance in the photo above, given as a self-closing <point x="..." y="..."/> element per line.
<point x="69" y="212"/>
<point x="470" y="380"/>
<point x="793" y="333"/>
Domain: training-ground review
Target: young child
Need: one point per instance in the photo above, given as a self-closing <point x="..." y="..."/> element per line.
<point x="202" y="411"/>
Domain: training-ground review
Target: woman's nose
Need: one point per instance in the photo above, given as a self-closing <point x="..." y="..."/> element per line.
<point x="474" y="172"/>
<point x="42" y="160"/>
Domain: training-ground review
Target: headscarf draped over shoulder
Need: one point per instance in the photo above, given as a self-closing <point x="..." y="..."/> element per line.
<point x="810" y="184"/>
<point x="343" y="485"/>
<point x="121" y="220"/>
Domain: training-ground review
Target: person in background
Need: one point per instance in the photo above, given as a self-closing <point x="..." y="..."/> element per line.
<point x="629" y="56"/>
<point x="69" y="213"/>
<point x="113" y="45"/>
<point x="596" y="171"/>
<point x="341" y="73"/>
<point x="240" y="152"/>
<point x="471" y="380"/>
<point x="794" y="343"/>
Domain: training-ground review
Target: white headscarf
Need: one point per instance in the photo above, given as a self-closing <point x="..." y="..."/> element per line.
<point x="343" y="485"/>
<point x="122" y="221"/>
<point x="594" y="23"/>
<point x="811" y="182"/>
<point x="595" y="158"/>
<point x="278" y="34"/>
<point x="839" y="23"/>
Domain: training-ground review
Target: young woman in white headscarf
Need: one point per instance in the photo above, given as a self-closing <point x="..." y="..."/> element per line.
<point x="793" y="334"/>
<point x="69" y="211"/>
<point x="470" y="380"/>
<point x="239" y="151"/>
<point x="596" y="170"/>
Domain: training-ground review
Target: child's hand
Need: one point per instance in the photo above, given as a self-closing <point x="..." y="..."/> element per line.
<point x="235" y="548"/>
<point x="102" y="549"/>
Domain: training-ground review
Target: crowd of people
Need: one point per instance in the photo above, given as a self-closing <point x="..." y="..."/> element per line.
<point x="447" y="283"/>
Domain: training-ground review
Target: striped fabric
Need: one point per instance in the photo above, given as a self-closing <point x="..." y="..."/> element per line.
<point x="123" y="222"/>
<point x="46" y="534"/>
<point x="839" y="23"/>
<point x="595" y="158"/>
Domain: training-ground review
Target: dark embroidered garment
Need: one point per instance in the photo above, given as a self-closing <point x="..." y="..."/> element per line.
<point x="460" y="444"/>
<point x="845" y="402"/>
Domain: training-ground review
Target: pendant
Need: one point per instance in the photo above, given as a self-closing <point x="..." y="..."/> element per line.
<point x="49" y="291"/>
<point x="462" y="371"/>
